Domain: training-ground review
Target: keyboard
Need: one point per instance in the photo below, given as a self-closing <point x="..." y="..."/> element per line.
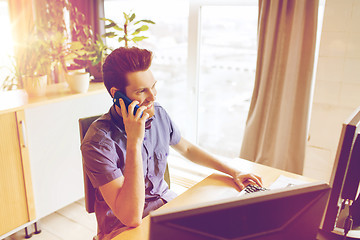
<point x="252" y="188"/>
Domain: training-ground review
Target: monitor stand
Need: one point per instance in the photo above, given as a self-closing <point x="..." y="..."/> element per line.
<point x="338" y="232"/>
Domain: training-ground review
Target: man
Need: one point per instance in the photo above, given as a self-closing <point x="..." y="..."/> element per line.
<point x="125" y="154"/>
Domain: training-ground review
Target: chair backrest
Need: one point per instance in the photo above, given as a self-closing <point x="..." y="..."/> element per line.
<point x="84" y="124"/>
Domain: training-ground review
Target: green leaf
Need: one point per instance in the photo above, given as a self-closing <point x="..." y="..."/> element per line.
<point x="76" y="46"/>
<point x="109" y="20"/>
<point x="142" y="28"/>
<point x="145" y="21"/>
<point x="138" y="39"/>
<point x="110" y="34"/>
<point x="110" y="25"/>
<point x="106" y="19"/>
<point x="121" y="39"/>
<point x="126" y="16"/>
<point x="132" y="17"/>
<point x="116" y="27"/>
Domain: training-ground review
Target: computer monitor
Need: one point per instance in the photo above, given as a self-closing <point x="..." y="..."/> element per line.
<point x="345" y="181"/>
<point x="290" y="213"/>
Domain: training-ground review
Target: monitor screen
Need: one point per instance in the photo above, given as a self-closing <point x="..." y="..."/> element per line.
<point x="345" y="181"/>
<point x="290" y="213"/>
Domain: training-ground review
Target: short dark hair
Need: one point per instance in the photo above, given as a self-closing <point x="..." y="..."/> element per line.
<point x="121" y="61"/>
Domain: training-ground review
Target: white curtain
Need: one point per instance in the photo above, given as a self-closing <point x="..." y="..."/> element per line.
<point x="276" y="128"/>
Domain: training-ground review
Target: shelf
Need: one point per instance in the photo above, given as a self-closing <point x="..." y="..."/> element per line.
<point x="56" y="93"/>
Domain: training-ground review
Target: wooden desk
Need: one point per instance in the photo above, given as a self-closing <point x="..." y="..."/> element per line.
<point x="215" y="187"/>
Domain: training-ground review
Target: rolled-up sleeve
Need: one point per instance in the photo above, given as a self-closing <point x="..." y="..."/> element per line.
<point x="100" y="162"/>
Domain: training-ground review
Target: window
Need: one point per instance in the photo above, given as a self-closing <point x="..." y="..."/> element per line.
<point x="210" y="108"/>
<point x="6" y="48"/>
<point x="205" y="60"/>
<point x="228" y="49"/>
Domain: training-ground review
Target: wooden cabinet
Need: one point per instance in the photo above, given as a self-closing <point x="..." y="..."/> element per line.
<point x="54" y="149"/>
<point x="16" y="201"/>
<point x="40" y="157"/>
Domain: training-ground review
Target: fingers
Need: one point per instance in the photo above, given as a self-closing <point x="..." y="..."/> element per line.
<point x="139" y="114"/>
<point x="256" y="179"/>
<point x="243" y="180"/>
<point x="239" y="183"/>
<point x="132" y="107"/>
<point x="123" y="109"/>
<point x="145" y="116"/>
<point x="260" y="180"/>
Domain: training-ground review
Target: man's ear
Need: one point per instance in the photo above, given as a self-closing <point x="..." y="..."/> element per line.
<point x="113" y="90"/>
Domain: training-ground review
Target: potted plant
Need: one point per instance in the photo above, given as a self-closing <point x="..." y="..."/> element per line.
<point x="85" y="52"/>
<point x="13" y="80"/>
<point x="76" y="75"/>
<point x="98" y="53"/>
<point x="11" y="92"/>
<point x="34" y="65"/>
<point x="68" y="41"/>
<point x="53" y="29"/>
<point x="31" y="66"/>
<point x="81" y="56"/>
<point x="129" y="31"/>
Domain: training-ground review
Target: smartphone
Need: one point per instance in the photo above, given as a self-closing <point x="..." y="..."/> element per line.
<point x="127" y="101"/>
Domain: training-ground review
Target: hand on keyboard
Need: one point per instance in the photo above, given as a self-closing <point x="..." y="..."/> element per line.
<point x="252" y="188"/>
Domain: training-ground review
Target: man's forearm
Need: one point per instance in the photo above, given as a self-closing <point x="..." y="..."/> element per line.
<point x="131" y="198"/>
<point x="201" y="157"/>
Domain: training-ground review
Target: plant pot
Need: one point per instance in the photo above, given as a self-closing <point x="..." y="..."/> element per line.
<point x="13" y="98"/>
<point x="78" y="81"/>
<point x="35" y="86"/>
<point x="96" y="72"/>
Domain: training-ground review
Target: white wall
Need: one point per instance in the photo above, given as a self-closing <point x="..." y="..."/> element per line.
<point x="337" y="87"/>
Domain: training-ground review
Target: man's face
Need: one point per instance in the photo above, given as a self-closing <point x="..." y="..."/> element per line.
<point x="141" y="87"/>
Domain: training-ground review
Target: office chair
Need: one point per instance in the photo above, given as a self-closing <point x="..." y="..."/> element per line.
<point x="84" y="124"/>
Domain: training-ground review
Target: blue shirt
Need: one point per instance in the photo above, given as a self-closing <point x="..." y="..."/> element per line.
<point x="104" y="156"/>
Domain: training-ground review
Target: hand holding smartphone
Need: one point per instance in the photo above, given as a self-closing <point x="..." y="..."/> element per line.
<point x="127" y="101"/>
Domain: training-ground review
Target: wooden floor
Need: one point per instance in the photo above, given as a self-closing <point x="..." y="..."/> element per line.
<point x="70" y="223"/>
